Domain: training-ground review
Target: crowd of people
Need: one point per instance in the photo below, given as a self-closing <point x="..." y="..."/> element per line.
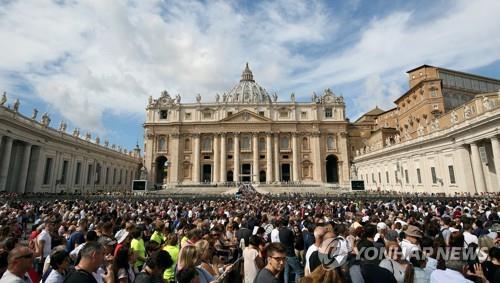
<point x="250" y="238"/>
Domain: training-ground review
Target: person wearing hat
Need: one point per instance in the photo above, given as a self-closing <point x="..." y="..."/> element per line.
<point x="123" y="241"/>
<point x="410" y="242"/>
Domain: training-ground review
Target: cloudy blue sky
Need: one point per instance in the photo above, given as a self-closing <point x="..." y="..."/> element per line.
<point x="93" y="63"/>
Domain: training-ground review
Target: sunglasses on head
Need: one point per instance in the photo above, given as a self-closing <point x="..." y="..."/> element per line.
<point x="27" y="256"/>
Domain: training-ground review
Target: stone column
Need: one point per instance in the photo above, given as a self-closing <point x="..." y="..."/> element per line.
<point x="463" y="167"/>
<point x="21" y="186"/>
<point x="5" y="162"/>
<point x="196" y="163"/>
<point x="236" y="170"/>
<point x="495" y="145"/>
<point x="295" y="154"/>
<point x="255" y="149"/>
<point x="223" y="157"/>
<point x="216" y="158"/>
<point x="269" y="159"/>
<point x="277" y="158"/>
<point x="477" y="168"/>
<point x="317" y="166"/>
<point x="174" y="151"/>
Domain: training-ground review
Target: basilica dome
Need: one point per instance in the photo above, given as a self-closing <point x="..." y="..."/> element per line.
<point x="247" y="90"/>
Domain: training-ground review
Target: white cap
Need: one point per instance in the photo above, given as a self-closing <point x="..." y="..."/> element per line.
<point x="123" y="237"/>
<point x="381" y="226"/>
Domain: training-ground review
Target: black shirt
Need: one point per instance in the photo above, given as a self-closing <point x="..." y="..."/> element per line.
<point x="265" y="276"/>
<point x="287" y="239"/>
<point x="79" y="276"/>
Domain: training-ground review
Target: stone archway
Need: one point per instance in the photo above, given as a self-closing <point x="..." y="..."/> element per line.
<point x="161" y="173"/>
<point x="332" y="173"/>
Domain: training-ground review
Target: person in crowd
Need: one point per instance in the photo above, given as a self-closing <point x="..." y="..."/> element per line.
<point x="276" y="261"/>
<point x="154" y="267"/>
<point x="158" y="237"/>
<point x="319" y="233"/>
<point x="420" y="274"/>
<point x="44" y="245"/>
<point x="173" y="250"/>
<point x="252" y="259"/>
<point x="123" y="265"/>
<point x="137" y="246"/>
<point x="189" y="257"/>
<point x="78" y="237"/>
<point x="410" y="241"/>
<point x="367" y="268"/>
<point x="492" y="266"/>
<point x="91" y="258"/>
<point x="59" y="266"/>
<point x="20" y="260"/>
<point x="292" y="261"/>
<point x="393" y="263"/>
<point x="298" y="243"/>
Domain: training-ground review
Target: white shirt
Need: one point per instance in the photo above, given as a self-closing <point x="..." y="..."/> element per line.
<point x="47" y="247"/>
<point x="54" y="277"/>
<point x="250" y="268"/>
<point x="9" y="277"/>
<point x="275" y="236"/>
<point x="469" y="239"/>
<point x="309" y="252"/>
<point x="407" y="248"/>
<point x="448" y="276"/>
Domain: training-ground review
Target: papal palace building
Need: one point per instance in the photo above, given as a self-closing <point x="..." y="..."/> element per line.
<point x="34" y="157"/>
<point x="247" y="135"/>
<point x="442" y="136"/>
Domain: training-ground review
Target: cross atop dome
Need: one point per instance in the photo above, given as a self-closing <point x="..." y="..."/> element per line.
<point x="247" y="75"/>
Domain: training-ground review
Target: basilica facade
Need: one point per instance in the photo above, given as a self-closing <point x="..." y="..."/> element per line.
<point x="246" y="135"/>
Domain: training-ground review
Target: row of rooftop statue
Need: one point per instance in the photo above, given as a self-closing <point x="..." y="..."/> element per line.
<point x="247" y="97"/>
<point x="45" y="122"/>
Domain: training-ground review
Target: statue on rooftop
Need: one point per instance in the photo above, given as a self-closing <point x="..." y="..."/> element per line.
<point x="16" y="105"/>
<point x="4" y="98"/>
<point x="45" y="120"/>
<point x="198" y="98"/>
<point x="33" y="115"/>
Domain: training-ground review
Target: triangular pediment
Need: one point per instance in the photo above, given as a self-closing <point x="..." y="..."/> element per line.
<point x="245" y="116"/>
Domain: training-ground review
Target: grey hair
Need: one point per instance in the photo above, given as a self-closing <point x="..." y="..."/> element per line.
<point x="90" y="248"/>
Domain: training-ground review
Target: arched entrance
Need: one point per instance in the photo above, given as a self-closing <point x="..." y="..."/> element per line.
<point x="262" y="176"/>
<point x="161" y="173"/>
<point x="332" y="175"/>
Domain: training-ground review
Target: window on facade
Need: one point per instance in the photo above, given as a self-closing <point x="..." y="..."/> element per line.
<point x="419" y="178"/>
<point x="162" y="144"/>
<point x="207" y="144"/>
<point x="305" y="143"/>
<point x="89" y="173"/>
<point x="261" y="113"/>
<point x="387" y="176"/>
<point x="187" y="116"/>
<point x="245" y="143"/>
<point x="285" y="143"/>
<point x="107" y="175"/>
<point x="186" y="169"/>
<point x="328" y="113"/>
<point x="303" y="115"/>
<point x="229" y="144"/>
<point x="48" y="171"/>
<point x="379" y="178"/>
<point x="78" y="173"/>
<point x="330" y="142"/>
<point x="283" y="114"/>
<point x="262" y="144"/>
<point x="114" y="176"/>
<point x="452" y="174"/>
<point x="407" y="180"/>
<point x="187" y="145"/>
<point x="163" y="114"/>
<point x="435" y="106"/>
<point x="229" y="114"/>
<point x="126" y="176"/>
<point x="64" y="172"/>
<point x="207" y="115"/>
<point x="373" y="178"/>
<point x="433" y="93"/>
<point x="120" y="179"/>
<point x="396" y="176"/>
<point x="433" y="174"/>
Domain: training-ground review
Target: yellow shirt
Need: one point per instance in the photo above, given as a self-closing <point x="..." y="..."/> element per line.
<point x="169" y="273"/>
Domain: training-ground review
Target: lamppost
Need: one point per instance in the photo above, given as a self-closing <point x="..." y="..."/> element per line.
<point x="165" y="170"/>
